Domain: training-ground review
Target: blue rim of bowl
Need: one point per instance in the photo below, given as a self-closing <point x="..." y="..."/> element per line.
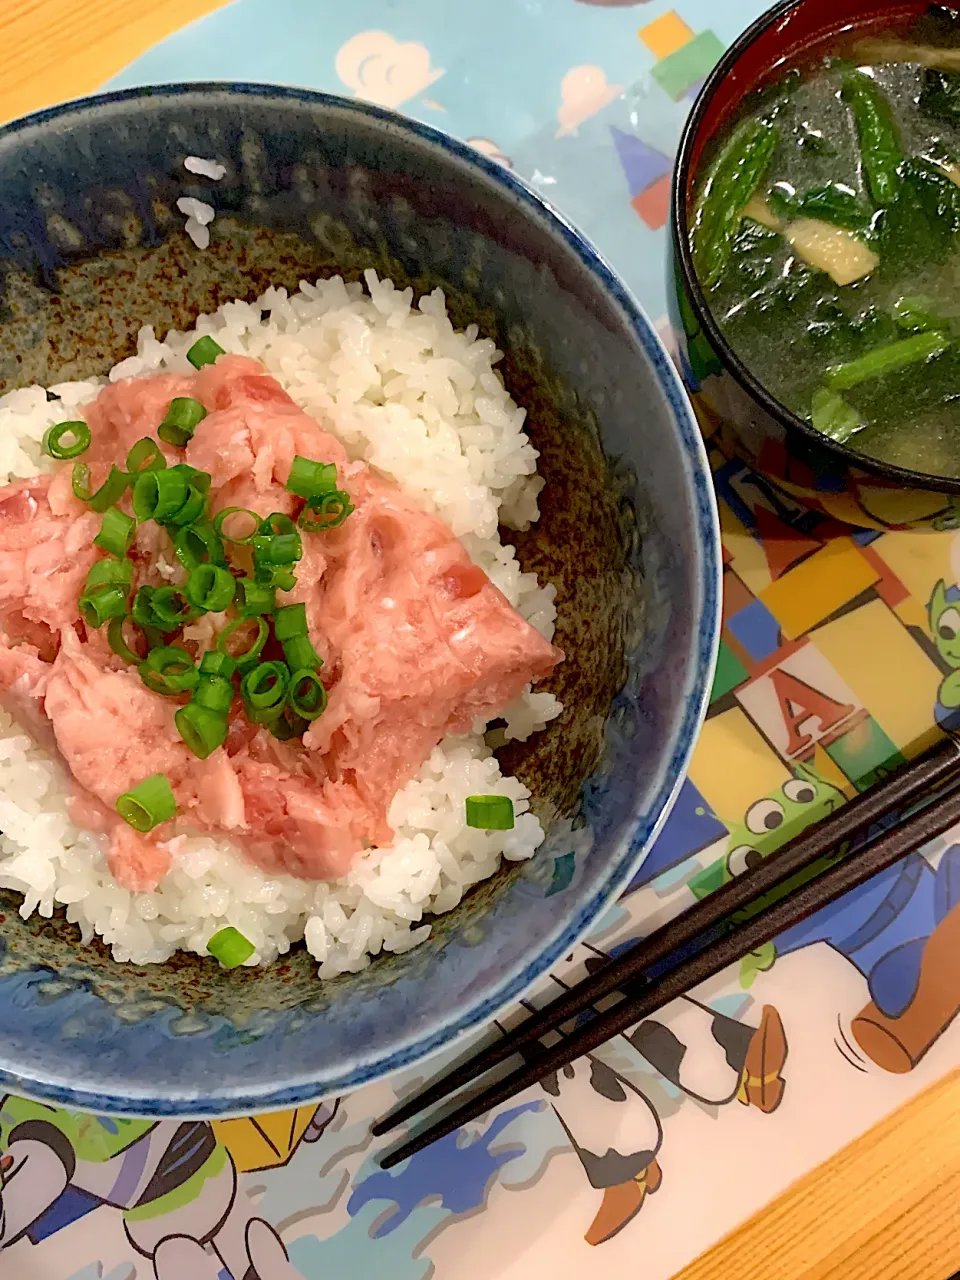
<point x="416" y="1049"/>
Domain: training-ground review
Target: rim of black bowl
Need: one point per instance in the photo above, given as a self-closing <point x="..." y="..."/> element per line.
<point x="416" y="1047"/>
<point x="680" y="231"/>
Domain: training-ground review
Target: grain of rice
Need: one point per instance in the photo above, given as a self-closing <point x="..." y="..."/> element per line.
<point x="206" y="168"/>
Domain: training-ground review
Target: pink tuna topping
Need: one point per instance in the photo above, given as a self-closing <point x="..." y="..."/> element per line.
<point x="416" y="640"/>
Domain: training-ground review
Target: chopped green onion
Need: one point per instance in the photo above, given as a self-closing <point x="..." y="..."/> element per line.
<point x="263" y="715"/>
<point x="231" y="640"/>
<point x="116" y="532"/>
<point x="168" y="670"/>
<point x="210" y="587"/>
<point x="253" y="597"/>
<point x="143" y="614"/>
<point x="328" y="512"/>
<point x="148" y="804"/>
<point x="145" y="456"/>
<point x="201" y="729"/>
<point x="290" y="620"/>
<point x="309" y="479"/>
<point x="118" y="641"/>
<point x="108" y="573"/>
<point x="277" y="548"/>
<point x="158" y="495"/>
<point x="300" y="653"/>
<point x="79" y="440"/>
<point x="214" y="693"/>
<point x="287" y="726"/>
<point x="217" y="664"/>
<point x="109" y="493"/>
<point x="279" y="576"/>
<point x="276" y="523"/>
<point x="204" y="351"/>
<point x="102" y="604"/>
<point x="233" y="514"/>
<point x="307" y="696"/>
<point x="197" y="544"/>
<point x="490" y="813"/>
<point x="181" y="420"/>
<point x="201" y="480"/>
<point x="265" y="685"/>
<point x="170" y="608"/>
<point x="193" y="509"/>
<point x="230" y="947"/>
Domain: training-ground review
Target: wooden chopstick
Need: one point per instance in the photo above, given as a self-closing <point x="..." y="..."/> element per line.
<point x="898" y="790"/>
<point x="723" y="948"/>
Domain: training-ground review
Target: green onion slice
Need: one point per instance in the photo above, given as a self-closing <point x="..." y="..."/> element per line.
<point x="327" y="512"/>
<point x="204" y="351"/>
<point x="66" y="440"/>
<point x="237" y="524"/>
<point x="307" y="697"/>
<point x="108" y="573"/>
<point x="214" y="693"/>
<point x="253" y="597"/>
<point x="145" y="456"/>
<point x="148" y="804"/>
<point x="116" y="532"/>
<point x="309" y="479"/>
<point x="201" y="729"/>
<point x="193" y="509"/>
<point x="210" y="587"/>
<point x="201" y="480"/>
<point x="276" y="523"/>
<point x="196" y="544"/>
<point x="158" y="495"/>
<point x="287" y="726"/>
<point x="109" y="493"/>
<point x="243" y="640"/>
<point x="490" y="813"/>
<point x="181" y="420"/>
<point x="168" y="670"/>
<point x="290" y="620"/>
<point x="213" y="663"/>
<point x="170" y="608"/>
<point x="300" y="653"/>
<point x="279" y="576"/>
<point x="277" y="548"/>
<point x="102" y="604"/>
<point x="265" y="685"/>
<point x="118" y="641"/>
<point x="230" y="947"/>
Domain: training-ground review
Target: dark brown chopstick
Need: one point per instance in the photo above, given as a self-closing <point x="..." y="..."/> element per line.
<point x="900" y="789"/>
<point x="879" y="853"/>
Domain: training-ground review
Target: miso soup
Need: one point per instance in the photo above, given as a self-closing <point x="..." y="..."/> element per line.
<point x="826" y="236"/>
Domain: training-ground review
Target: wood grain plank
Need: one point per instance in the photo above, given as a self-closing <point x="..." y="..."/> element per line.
<point x="59" y="49"/>
<point x="885" y="1208"/>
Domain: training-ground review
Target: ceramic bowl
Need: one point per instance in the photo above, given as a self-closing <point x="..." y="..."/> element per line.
<point x="92" y="246"/>
<point x="730" y="399"/>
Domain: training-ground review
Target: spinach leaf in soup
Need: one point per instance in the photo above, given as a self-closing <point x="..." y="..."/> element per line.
<point x="940" y="95"/>
<point x="919" y="227"/>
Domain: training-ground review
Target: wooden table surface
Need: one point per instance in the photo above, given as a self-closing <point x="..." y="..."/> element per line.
<point x="885" y="1208"/>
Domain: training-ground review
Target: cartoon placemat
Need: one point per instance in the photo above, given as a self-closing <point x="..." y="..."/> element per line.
<point x="840" y="657"/>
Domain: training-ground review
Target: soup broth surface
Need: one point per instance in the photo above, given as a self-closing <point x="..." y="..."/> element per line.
<point x="826" y="234"/>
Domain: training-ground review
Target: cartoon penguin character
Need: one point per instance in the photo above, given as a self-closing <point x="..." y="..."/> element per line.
<point x="175" y="1183"/>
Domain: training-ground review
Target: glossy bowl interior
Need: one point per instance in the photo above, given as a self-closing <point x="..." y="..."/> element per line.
<point x="731" y="397"/>
<point x="91" y="246"/>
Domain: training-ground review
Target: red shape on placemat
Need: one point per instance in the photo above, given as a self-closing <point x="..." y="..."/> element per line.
<point x="783" y="546"/>
<point x="890" y="589"/>
<point x="653" y="205"/>
<point x="799" y="702"/>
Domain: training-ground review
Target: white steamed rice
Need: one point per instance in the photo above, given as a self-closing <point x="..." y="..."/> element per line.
<point x="420" y="402"/>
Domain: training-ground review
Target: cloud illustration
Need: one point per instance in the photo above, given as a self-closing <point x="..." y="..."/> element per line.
<point x="583" y="92"/>
<point x="382" y="70"/>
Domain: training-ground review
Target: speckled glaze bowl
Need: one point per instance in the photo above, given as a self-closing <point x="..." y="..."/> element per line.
<point x="730" y="399"/>
<point x="92" y="246"/>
